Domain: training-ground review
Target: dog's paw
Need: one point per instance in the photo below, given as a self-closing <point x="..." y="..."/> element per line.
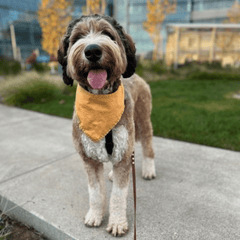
<point x="148" y="169"/>
<point x="110" y="175"/>
<point x="117" y="228"/>
<point x="93" y="218"/>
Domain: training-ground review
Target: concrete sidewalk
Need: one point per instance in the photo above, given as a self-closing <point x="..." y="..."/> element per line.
<point x="196" y="194"/>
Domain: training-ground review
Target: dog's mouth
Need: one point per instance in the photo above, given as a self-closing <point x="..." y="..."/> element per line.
<point x="97" y="77"/>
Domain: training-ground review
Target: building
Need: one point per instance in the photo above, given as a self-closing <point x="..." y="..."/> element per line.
<point x="23" y="16"/>
<point x="130" y="13"/>
<point x="188" y="11"/>
<point x="203" y="42"/>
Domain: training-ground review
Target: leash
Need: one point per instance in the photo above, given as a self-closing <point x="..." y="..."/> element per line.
<point x="134" y="193"/>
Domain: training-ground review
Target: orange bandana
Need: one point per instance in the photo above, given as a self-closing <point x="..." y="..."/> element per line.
<point x="98" y="114"/>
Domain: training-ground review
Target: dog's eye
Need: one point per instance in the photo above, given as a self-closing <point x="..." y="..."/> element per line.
<point x="108" y="34"/>
<point x="76" y="38"/>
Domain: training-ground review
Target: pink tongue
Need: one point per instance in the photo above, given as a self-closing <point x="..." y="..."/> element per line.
<point x="97" y="78"/>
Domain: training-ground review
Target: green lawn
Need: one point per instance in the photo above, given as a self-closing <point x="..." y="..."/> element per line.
<point x="198" y="111"/>
<point x="54" y="106"/>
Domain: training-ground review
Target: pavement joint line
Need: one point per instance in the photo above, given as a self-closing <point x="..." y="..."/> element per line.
<point x="37" y="168"/>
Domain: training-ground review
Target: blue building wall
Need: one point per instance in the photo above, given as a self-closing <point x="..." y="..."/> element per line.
<point x="28" y="32"/>
<point x="183" y="14"/>
<point x="23" y="15"/>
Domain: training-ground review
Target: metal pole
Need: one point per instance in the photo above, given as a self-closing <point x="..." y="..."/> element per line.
<point x="115" y="7"/>
<point x="211" y="53"/>
<point x="13" y="39"/>
<point x="88" y="8"/>
<point x="176" y="49"/>
<point x="127" y="16"/>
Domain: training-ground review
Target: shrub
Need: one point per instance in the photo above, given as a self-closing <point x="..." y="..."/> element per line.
<point x="139" y="69"/>
<point x="158" y="67"/>
<point x="30" y="90"/>
<point x="9" y="66"/>
<point x="197" y="75"/>
<point x="213" y="65"/>
<point x="41" y="67"/>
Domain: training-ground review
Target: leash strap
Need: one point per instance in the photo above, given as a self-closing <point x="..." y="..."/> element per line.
<point x="134" y="193"/>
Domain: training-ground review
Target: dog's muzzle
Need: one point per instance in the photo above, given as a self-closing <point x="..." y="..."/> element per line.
<point x="93" y="52"/>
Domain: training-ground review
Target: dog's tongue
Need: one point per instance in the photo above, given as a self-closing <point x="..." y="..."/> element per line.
<point x="97" y="78"/>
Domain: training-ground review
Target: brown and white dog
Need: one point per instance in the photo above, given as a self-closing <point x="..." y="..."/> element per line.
<point x="93" y="43"/>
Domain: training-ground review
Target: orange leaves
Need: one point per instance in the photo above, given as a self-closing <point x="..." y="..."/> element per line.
<point x="226" y="40"/>
<point x="234" y="13"/>
<point x="157" y="11"/>
<point x="96" y="6"/>
<point x="54" y="17"/>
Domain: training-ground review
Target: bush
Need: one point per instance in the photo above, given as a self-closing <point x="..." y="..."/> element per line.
<point x="158" y="67"/>
<point x="139" y="69"/>
<point x="32" y="90"/>
<point x="41" y="67"/>
<point x="197" y="75"/>
<point x="9" y="66"/>
<point x="213" y="65"/>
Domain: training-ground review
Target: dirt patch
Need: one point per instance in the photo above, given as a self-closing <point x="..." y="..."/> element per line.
<point x="11" y="229"/>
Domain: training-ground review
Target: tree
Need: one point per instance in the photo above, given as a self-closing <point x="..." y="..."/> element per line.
<point x="157" y="11"/>
<point x="226" y="39"/>
<point x="233" y="14"/>
<point x="54" y="17"/>
<point x="95" y="6"/>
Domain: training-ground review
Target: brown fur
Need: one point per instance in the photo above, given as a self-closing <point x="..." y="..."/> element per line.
<point x="118" y="59"/>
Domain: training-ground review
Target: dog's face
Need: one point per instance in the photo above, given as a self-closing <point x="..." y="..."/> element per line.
<point x="96" y="51"/>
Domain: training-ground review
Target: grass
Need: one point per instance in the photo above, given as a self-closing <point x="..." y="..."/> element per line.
<point x="39" y="92"/>
<point x="198" y="109"/>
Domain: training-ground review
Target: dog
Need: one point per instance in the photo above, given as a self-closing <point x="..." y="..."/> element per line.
<point x="97" y="53"/>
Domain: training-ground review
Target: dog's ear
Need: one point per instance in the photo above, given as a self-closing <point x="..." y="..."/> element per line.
<point x="128" y="45"/>
<point x="63" y="49"/>
<point x="62" y="58"/>
<point x="131" y="56"/>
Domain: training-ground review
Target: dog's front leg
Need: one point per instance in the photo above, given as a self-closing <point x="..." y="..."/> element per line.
<point x="118" y="224"/>
<point x="97" y="193"/>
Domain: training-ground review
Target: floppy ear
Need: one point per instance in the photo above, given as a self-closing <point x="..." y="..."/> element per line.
<point x="63" y="48"/>
<point x="62" y="59"/>
<point x="131" y="56"/>
<point x="128" y="45"/>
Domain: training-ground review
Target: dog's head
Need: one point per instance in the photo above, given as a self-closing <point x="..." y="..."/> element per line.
<point x="96" y="47"/>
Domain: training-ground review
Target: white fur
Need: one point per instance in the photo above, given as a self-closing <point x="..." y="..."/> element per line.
<point x="97" y="150"/>
<point x="118" y="224"/>
<point x="93" y="38"/>
<point x="120" y="141"/>
<point x="148" y="168"/>
<point x="97" y="206"/>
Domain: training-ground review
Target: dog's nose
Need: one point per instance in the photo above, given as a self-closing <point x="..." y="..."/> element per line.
<point x="93" y="52"/>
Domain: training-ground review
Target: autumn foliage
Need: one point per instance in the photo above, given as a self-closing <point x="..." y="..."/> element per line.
<point x="54" y="17"/>
<point x="233" y="14"/>
<point x="227" y="39"/>
<point x="157" y="11"/>
<point x="95" y="6"/>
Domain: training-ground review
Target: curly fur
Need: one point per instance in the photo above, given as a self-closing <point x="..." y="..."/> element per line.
<point x="126" y="40"/>
<point x="118" y="59"/>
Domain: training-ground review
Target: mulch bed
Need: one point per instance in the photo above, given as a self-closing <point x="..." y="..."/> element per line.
<point x="11" y="229"/>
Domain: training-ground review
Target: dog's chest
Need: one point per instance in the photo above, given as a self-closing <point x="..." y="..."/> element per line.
<point x="98" y="151"/>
